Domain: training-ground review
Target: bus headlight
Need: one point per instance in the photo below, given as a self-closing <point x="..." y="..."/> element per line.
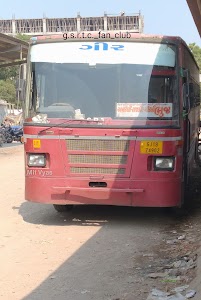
<point x="36" y="160"/>
<point x="164" y="163"/>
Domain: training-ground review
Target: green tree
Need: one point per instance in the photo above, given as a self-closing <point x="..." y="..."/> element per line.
<point x="23" y="37"/>
<point x="196" y="50"/>
<point x="8" y="77"/>
<point x="7" y="91"/>
<point x="8" y="73"/>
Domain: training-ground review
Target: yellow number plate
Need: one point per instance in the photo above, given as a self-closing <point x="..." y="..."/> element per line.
<point x="36" y="144"/>
<point x="151" y="147"/>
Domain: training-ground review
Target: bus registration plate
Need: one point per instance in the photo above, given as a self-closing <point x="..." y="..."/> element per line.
<point x="151" y="147"/>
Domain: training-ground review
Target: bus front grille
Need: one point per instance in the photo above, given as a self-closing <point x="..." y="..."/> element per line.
<point x="98" y="156"/>
<point x="90" y="170"/>
<point x="97" y="159"/>
<point x="97" y="145"/>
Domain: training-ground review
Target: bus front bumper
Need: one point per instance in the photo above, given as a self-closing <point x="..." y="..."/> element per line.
<point x="141" y="193"/>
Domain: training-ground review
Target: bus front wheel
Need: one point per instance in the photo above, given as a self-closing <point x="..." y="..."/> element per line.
<point x="185" y="187"/>
<point x="62" y="208"/>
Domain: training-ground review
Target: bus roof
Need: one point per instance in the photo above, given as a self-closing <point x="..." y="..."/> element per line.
<point x="105" y="36"/>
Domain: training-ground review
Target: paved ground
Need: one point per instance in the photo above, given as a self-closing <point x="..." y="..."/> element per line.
<point x="91" y="253"/>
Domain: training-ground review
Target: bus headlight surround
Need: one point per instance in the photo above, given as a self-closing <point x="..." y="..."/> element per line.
<point x="164" y="163"/>
<point x="36" y="160"/>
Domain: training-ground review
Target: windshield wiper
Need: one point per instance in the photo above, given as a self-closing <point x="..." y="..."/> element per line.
<point x="67" y="122"/>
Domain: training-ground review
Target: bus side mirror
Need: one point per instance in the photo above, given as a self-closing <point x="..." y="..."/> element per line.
<point x="20" y="88"/>
<point x="186" y="75"/>
<point x="186" y="101"/>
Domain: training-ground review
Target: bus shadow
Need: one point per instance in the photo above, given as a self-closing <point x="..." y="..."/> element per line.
<point x="94" y="215"/>
<point x="105" y="266"/>
<point x="99" y="269"/>
<point x="112" y="264"/>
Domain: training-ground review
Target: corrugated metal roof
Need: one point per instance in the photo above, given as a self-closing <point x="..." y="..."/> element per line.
<point x="195" y="7"/>
<point x="12" y="50"/>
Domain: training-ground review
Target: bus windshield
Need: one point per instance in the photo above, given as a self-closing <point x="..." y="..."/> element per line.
<point x="128" y="84"/>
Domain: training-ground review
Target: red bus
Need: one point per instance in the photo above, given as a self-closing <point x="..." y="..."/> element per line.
<point x="110" y="120"/>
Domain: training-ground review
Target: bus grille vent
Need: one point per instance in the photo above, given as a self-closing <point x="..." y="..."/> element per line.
<point x="98" y="145"/>
<point x="91" y="170"/>
<point x="97" y="159"/>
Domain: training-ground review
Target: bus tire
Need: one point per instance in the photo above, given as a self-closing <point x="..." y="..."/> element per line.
<point x="62" y="208"/>
<point x="183" y="209"/>
<point x="185" y="187"/>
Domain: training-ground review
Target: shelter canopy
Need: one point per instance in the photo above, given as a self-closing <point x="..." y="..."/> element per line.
<point x="195" y="8"/>
<point x="13" y="51"/>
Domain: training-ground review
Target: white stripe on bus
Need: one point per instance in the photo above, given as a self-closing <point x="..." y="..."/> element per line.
<point x="76" y="137"/>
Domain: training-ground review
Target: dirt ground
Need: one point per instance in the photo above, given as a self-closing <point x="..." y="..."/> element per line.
<point x="92" y="253"/>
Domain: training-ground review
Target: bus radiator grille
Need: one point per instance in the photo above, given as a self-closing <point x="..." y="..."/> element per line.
<point x="98" y="145"/>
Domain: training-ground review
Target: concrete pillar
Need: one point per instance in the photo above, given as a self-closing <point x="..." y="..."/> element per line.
<point x="141" y="24"/>
<point x="13" y="27"/>
<point x="44" y="26"/>
<point x="78" y="22"/>
<point x="105" y="21"/>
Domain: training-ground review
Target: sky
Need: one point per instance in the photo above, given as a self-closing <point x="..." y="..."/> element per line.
<point x="170" y="17"/>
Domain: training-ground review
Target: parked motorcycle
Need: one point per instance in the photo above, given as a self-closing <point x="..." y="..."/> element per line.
<point x="11" y="133"/>
<point x="6" y="134"/>
<point x="17" y="133"/>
